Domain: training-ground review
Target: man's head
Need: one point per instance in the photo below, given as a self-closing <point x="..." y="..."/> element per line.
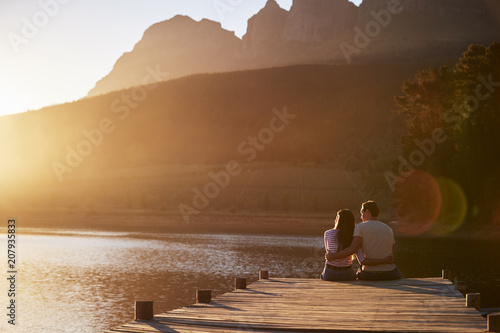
<point x="369" y="211"/>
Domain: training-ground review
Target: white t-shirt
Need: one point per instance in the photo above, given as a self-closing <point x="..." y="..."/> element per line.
<point x="377" y="242"/>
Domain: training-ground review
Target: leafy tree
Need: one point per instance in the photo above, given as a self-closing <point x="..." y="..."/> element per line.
<point x="426" y="99"/>
<point x="463" y="103"/>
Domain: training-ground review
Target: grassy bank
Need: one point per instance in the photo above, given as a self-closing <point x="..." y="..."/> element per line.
<point x="154" y="221"/>
<point x="146" y="221"/>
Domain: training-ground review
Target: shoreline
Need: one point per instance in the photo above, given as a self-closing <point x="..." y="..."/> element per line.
<point x="144" y="221"/>
<point x="169" y="222"/>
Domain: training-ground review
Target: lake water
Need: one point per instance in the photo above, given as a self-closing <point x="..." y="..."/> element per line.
<point x="88" y="281"/>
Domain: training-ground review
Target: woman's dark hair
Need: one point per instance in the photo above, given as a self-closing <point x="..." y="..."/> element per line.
<point x="345" y="227"/>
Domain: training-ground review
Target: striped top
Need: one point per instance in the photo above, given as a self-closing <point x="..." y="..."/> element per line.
<point x="331" y="244"/>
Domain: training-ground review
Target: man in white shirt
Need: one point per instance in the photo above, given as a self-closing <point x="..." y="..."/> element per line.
<point x="376" y="240"/>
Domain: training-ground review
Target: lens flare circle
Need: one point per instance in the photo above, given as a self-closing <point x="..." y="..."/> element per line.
<point x="418" y="200"/>
<point x="453" y="208"/>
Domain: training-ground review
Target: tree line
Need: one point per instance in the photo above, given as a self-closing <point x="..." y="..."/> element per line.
<point x="452" y="117"/>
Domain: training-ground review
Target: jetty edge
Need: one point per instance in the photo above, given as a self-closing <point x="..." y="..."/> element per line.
<point x="313" y="305"/>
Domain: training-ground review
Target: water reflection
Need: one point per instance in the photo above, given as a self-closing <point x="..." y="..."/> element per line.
<point x="88" y="282"/>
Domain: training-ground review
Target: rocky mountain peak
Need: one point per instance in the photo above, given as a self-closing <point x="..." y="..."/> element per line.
<point x="319" y="20"/>
<point x="272" y="4"/>
<point x="179" y="46"/>
<point x="417" y="31"/>
<point x="434" y="19"/>
<point x="265" y="30"/>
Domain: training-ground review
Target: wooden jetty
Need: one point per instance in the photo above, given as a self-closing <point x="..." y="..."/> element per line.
<point x="312" y="305"/>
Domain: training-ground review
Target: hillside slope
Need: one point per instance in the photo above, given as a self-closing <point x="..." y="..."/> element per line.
<point x="321" y="115"/>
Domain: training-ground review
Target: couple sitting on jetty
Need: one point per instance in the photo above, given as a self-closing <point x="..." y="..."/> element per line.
<point x="372" y="241"/>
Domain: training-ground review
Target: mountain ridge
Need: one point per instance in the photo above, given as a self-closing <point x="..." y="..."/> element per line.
<point x="417" y="31"/>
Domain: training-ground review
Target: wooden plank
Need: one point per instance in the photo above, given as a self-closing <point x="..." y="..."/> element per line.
<point x="312" y="322"/>
<point x="307" y="305"/>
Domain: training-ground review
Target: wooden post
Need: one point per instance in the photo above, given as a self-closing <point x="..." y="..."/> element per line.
<point x="460" y="286"/>
<point x="446" y="274"/>
<point x="203" y="296"/>
<point x="473" y="301"/>
<point x="143" y="310"/>
<point x="263" y="275"/>
<point x="494" y="322"/>
<point x="240" y="283"/>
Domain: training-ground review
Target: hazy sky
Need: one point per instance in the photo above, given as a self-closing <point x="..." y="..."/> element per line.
<point x="54" y="51"/>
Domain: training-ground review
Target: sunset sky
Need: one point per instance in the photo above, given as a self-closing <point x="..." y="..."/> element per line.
<point x="77" y="42"/>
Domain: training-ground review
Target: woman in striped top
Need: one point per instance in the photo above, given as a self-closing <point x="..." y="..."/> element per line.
<point x="336" y="239"/>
